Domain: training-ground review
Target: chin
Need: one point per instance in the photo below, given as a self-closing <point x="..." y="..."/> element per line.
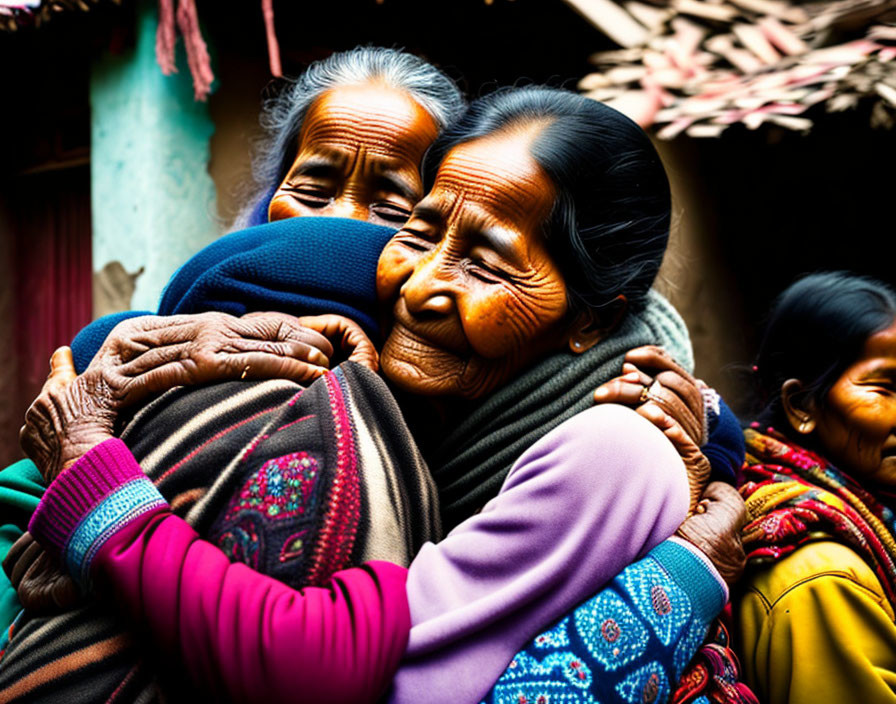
<point x="886" y="473"/>
<point x="407" y="375"/>
<point x="425" y="370"/>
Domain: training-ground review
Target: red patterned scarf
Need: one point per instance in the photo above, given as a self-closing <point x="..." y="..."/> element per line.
<point x="794" y="495"/>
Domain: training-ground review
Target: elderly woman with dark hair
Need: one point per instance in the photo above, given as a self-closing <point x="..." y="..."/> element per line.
<point x="816" y="614"/>
<point x="521" y="278"/>
<point x="498" y="322"/>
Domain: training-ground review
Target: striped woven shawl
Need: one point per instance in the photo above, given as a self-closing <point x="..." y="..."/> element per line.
<point x="297" y="483"/>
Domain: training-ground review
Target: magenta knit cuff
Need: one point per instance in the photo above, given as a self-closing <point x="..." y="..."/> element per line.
<point x="79" y="489"/>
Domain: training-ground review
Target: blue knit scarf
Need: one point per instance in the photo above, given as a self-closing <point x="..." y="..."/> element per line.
<point x="303" y="266"/>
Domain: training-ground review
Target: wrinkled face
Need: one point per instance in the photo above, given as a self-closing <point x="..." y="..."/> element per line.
<point x="474" y="293"/>
<point x="358" y="157"/>
<point x="857" y="427"/>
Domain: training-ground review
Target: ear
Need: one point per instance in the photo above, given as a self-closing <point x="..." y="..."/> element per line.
<point x="800" y="413"/>
<point x="587" y="330"/>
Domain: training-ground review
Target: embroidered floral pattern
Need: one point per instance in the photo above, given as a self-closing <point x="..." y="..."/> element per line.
<point x="280" y="489"/>
<point x="628" y="643"/>
<point x="647" y="684"/>
<point x="275" y="506"/>
<point x="554" y="638"/>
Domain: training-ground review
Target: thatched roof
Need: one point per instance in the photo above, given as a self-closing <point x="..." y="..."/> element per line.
<point x="700" y="66"/>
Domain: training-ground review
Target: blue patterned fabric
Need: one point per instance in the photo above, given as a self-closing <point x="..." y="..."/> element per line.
<point x="301" y="266"/>
<point x="119" y="508"/>
<point x="629" y="643"/>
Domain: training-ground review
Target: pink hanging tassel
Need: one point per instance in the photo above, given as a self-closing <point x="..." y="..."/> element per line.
<point x="197" y="53"/>
<point x="165" y="37"/>
<point x="267" y="8"/>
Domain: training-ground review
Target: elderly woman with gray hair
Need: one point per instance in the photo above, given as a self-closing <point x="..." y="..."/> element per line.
<point x="285" y="185"/>
<point x="345" y="139"/>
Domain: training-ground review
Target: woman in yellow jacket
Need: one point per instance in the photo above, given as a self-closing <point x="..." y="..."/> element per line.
<point x="816" y="610"/>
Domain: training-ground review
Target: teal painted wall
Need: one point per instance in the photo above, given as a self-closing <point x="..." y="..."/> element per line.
<point x="153" y="201"/>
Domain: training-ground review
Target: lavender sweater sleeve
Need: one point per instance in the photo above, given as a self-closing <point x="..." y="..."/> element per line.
<point x="243" y="635"/>
<point x="581" y="504"/>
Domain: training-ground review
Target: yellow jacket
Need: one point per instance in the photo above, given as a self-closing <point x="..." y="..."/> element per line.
<point x="815" y="627"/>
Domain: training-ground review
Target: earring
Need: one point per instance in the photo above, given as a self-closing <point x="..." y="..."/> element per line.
<point x="577" y="344"/>
<point x="803" y="426"/>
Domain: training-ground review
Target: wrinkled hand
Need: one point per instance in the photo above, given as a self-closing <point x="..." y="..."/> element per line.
<point x="148" y="355"/>
<point x="715" y="529"/>
<point x="651" y="376"/>
<point x="41" y="584"/>
<point x="64" y="421"/>
<point x="346" y="336"/>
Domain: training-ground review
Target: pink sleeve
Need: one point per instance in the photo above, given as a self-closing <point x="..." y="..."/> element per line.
<point x="241" y="634"/>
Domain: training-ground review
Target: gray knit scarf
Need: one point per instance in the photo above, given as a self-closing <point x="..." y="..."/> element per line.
<point x="471" y="463"/>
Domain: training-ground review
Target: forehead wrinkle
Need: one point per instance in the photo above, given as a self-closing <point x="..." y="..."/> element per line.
<point x="330" y="156"/>
<point x="502" y="171"/>
<point x="880" y="365"/>
<point x="879" y="352"/>
<point x="372" y="126"/>
<point x="505" y="198"/>
<point x="495" y="176"/>
<point x="385" y="128"/>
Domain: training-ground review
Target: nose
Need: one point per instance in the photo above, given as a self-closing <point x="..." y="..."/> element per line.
<point x="429" y="290"/>
<point x="346" y="207"/>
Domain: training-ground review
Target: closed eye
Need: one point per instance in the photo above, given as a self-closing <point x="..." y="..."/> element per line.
<point x="885" y="386"/>
<point x="484" y="272"/>
<point x="413" y="239"/>
<point x="313" y="197"/>
<point x="391" y="212"/>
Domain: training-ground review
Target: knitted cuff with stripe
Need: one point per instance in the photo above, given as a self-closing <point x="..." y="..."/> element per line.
<point x="694" y="571"/>
<point x="89" y="502"/>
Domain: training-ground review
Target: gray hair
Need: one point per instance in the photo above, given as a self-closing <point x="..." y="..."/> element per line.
<point x="282" y="116"/>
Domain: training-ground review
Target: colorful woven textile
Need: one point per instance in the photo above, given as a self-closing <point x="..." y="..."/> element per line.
<point x="713" y="676"/>
<point x="298" y="483"/>
<point x="794" y="496"/>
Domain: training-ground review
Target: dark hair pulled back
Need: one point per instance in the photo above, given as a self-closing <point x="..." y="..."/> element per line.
<point x="610" y="223"/>
<point x="816" y="329"/>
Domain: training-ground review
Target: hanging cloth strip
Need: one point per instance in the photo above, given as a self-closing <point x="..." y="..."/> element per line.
<point x="187" y="21"/>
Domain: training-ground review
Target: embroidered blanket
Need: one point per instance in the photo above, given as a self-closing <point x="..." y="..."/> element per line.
<point x="295" y="482"/>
